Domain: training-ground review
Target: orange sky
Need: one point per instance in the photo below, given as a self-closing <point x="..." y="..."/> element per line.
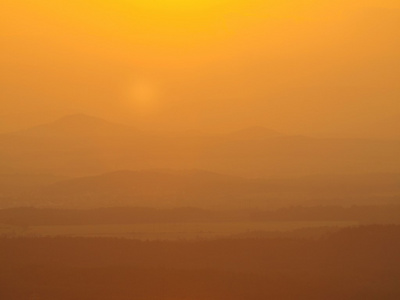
<point x="307" y="66"/>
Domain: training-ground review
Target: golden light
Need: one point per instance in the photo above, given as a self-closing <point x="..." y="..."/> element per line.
<point x="180" y="5"/>
<point x="143" y="96"/>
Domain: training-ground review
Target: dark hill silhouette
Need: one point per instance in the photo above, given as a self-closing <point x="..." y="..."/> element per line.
<point x="31" y="216"/>
<point x="351" y="264"/>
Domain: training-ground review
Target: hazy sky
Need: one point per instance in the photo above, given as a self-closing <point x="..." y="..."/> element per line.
<point x="301" y="66"/>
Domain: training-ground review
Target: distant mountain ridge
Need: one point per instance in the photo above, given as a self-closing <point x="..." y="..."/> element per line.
<point x="198" y="188"/>
<point x="256" y="132"/>
<point x="80" y="125"/>
<point x="82" y="145"/>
